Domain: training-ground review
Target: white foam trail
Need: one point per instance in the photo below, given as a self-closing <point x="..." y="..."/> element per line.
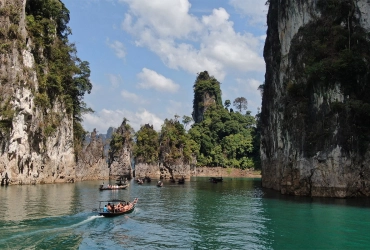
<point x="85" y="221"/>
<point x="53" y="229"/>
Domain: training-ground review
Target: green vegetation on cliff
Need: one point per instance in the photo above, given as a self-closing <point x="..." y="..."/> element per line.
<point x="176" y="146"/>
<point x="62" y="76"/>
<point x="332" y="50"/>
<point x="225" y="137"/>
<point x="222" y="138"/>
<point x="206" y="93"/>
<point x="121" y="141"/>
<point x="146" y="148"/>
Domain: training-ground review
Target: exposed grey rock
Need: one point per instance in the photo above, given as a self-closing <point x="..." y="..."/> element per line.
<point x="119" y="159"/>
<point x="290" y="163"/>
<point x="27" y="156"/>
<point x="92" y="162"/>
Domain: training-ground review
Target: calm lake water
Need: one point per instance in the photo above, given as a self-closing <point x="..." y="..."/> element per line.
<point x="235" y="214"/>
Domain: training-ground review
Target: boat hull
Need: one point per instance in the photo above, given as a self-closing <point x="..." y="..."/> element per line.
<point x="113" y="188"/>
<point x="116" y="213"/>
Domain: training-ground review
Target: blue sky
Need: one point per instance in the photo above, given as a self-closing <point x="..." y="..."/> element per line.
<point x="144" y="55"/>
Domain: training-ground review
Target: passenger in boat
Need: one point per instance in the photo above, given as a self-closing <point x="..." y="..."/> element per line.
<point x="110" y="208"/>
<point x="105" y="209"/>
<point x="119" y="207"/>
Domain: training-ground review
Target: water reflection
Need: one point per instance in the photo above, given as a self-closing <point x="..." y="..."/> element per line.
<point x="230" y="215"/>
<point x="36" y="201"/>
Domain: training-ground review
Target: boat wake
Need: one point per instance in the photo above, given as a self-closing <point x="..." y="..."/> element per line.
<point x="47" y="230"/>
<point x="90" y="218"/>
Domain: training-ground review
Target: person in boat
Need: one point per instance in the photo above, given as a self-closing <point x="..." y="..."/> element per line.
<point x="110" y="208"/>
<point x="105" y="209"/>
<point x="126" y="207"/>
<point x="120" y="207"/>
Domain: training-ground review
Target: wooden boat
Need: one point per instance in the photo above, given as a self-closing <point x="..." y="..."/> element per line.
<point x="215" y="179"/>
<point x="115" y="212"/>
<point x="121" y="181"/>
<point x="112" y="187"/>
<point x="160" y="184"/>
<point x="181" y="180"/>
<point x="140" y="181"/>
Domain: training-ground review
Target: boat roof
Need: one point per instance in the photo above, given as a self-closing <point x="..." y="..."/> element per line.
<point x="114" y="201"/>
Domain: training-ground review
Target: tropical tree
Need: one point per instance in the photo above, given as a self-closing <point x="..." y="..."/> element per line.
<point x="186" y="120"/>
<point x="176" y="146"/>
<point x="121" y="138"/>
<point x="227" y="104"/>
<point x="62" y="76"/>
<point x="240" y="103"/>
<point x="146" y="149"/>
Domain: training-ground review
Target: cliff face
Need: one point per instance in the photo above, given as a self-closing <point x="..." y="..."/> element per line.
<point x="119" y="159"/>
<point x="27" y="155"/>
<point x="92" y="161"/>
<point x="315" y="112"/>
<point x="206" y="93"/>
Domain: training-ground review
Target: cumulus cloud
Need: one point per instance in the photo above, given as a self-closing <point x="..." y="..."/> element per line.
<point x="163" y="18"/>
<point x="132" y="97"/>
<point x="168" y="29"/>
<point x="150" y="79"/>
<point x="105" y="118"/>
<point x="118" y="48"/>
<point x="256" y="11"/>
<point x="115" y="80"/>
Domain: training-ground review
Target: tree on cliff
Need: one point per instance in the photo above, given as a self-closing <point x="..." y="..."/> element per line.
<point x="225" y="138"/>
<point x="240" y="103"/>
<point x="227" y="104"/>
<point x="207" y="92"/>
<point x="62" y="76"/>
<point x="186" y="120"/>
<point x="122" y="140"/>
<point x="146" y="148"/>
<point x="176" y="146"/>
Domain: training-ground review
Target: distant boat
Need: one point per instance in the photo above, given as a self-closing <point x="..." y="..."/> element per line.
<point x="121" y="181"/>
<point x="181" y="180"/>
<point x="216" y="179"/>
<point x="159" y="184"/>
<point x="140" y="181"/>
<point x="128" y="207"/>
<point x="112" y="187"/>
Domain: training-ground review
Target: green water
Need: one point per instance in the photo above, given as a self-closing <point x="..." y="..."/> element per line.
<point x="235" y="214"/>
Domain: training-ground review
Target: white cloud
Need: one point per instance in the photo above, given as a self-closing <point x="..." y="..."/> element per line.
<point x="162" y="18"/>
<point x="113" y="118"/>
<point x="118" y="48"/>
<point x="236" y="51"/>
<point x="150" y="79"/>
<point x="115" y="80"/>
<point x="128" y="96"/>
<point x="144" y="117"/>
<point x="168" y="30"/>
<point x="256" y="11"/>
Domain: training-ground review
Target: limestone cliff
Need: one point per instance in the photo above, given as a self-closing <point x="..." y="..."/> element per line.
<point x="315" y="110"/>
<point x="92" y="161"/>
<point x="120" y="152"/>
<point x="36" y="124"/>
<point x="206" y="93"/>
